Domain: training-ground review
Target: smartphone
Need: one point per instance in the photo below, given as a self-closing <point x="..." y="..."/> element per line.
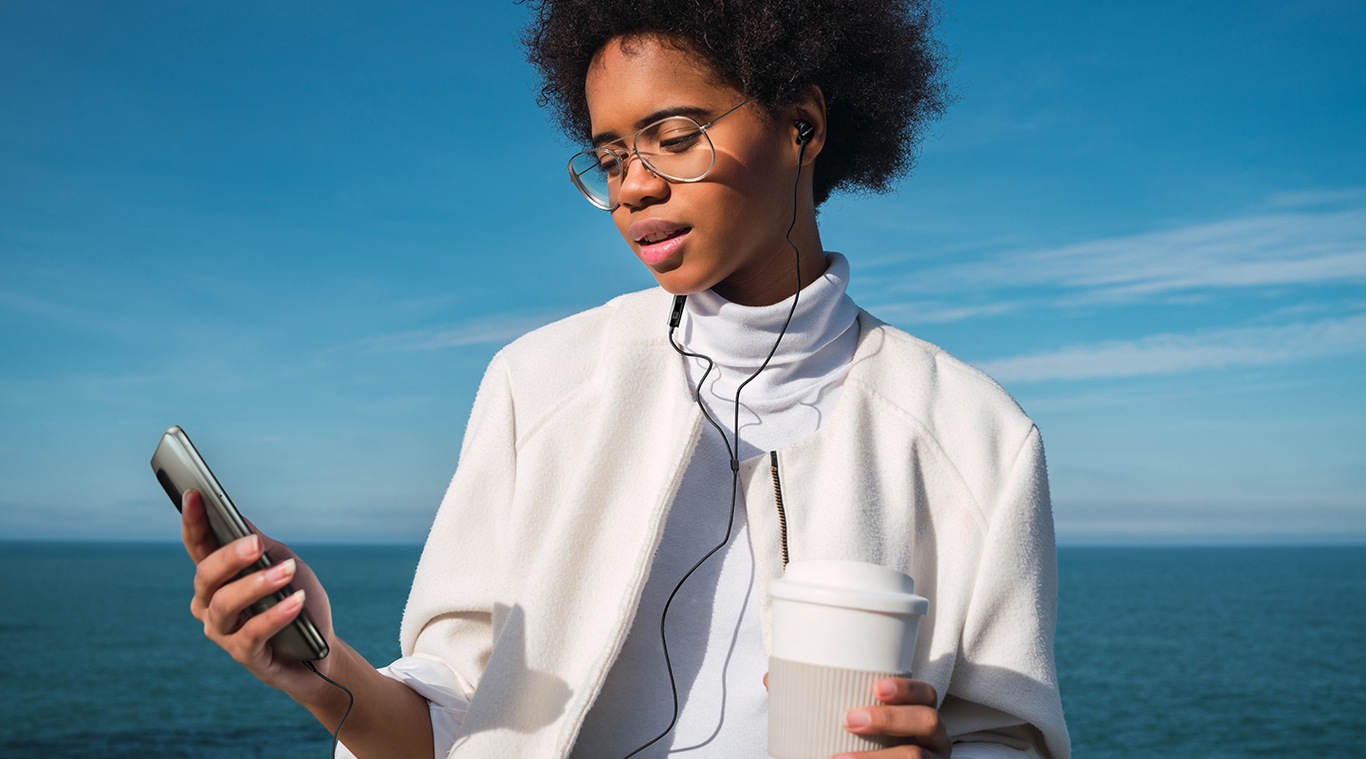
<point x="179" y="467"/>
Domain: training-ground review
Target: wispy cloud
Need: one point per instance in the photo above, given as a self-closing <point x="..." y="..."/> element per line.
<point x="485" y="331"/>
<point x="1181" y="353"/>
<point x="1306" y="198"/>
<point x="1299" y="241"/>
<point x="53" y="310"/>
<point x="927" y="312"/>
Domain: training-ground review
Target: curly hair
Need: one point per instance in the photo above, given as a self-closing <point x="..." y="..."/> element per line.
<point x="876" y="62"/>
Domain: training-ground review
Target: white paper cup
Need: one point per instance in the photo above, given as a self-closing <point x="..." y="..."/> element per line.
<point x="838" y="627"/>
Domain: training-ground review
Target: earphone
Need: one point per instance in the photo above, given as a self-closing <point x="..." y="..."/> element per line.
<point x="805" y="131"/>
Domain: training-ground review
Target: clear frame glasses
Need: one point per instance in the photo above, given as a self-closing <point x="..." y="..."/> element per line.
<point x="676" y="148"/>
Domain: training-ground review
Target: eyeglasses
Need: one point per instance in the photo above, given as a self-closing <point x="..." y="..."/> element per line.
<point x="676" y="148"/>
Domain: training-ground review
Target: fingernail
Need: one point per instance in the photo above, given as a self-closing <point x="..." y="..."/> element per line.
<point x="295" y="600"/>
<point x="883" y="690"/>
<point x="281" y="571"/>
<point x="858" y="718"/>
<point x="248" y="548"/>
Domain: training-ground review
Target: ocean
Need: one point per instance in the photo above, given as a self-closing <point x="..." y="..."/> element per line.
<point x="1208" y="652"/>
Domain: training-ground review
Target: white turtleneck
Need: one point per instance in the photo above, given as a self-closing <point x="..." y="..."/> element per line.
<point x="785" y="402"/>
<point x="713" y="627"/>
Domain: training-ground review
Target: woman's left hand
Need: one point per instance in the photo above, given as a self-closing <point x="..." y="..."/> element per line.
<point x="907" y="711"/>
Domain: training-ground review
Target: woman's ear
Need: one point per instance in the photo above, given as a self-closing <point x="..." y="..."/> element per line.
<point x="808" y="124"/>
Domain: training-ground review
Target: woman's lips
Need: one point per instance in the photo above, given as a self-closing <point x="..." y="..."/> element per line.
<point x="658" y="240"/>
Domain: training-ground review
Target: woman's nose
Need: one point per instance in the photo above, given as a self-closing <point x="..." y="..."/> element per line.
<point x="639" y="185"/>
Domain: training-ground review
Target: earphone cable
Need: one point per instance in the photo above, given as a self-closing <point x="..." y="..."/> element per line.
<point x="732" y="451"/>
<point x="350" y="702"/>
<point x="797" y="268"/>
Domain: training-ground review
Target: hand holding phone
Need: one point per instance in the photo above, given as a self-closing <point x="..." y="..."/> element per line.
<point x="180" y="468"/>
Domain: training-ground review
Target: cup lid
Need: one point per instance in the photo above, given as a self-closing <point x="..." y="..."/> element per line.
<point x="849" y="584"/>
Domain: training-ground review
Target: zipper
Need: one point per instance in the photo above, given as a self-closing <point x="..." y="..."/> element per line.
<point x="778" y="498"/>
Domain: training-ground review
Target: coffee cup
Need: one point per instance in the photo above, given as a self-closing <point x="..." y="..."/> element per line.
<point x="838" y="627"/>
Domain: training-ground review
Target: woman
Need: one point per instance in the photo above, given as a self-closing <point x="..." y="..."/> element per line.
<point x="591" y="480"/>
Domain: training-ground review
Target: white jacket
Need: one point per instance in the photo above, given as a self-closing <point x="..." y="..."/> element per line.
<point x="575" y="447"/>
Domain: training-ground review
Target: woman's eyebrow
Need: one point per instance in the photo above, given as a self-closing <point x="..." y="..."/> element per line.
<point x="692" y="111"/>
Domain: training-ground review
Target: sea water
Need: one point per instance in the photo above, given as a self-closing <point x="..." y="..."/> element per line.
<point x="102" y="658"/>
<point x="1209" y="652"/>
<point x="1213" y="652"/>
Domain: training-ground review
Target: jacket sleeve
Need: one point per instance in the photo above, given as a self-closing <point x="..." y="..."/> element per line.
<point x="452" y="611"/>
<point x="448" y="622"/>
<point x="1004" y="689"/>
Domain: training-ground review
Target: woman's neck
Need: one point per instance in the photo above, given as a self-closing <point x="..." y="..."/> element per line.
<point x="776" y="279"/>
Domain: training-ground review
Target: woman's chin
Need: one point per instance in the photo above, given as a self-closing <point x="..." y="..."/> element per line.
<point x="677" y="281"/>
<point x="680" y="288"/>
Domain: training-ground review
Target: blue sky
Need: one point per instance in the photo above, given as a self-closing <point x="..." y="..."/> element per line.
<point x="300" y="230"/>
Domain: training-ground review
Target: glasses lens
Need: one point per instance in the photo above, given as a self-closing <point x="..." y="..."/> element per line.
<point x="677" y="148"/>
<point x="594" y="172"/>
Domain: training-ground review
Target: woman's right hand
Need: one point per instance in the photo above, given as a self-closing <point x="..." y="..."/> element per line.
<point x="222" y="601"/>
<point x="390" y="719"/>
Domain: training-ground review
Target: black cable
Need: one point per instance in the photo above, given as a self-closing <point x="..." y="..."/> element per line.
<point x="732" y="451"/>
<point x="797" y="265"/>
<point x="734" y="490"/>
<point x="350" y="702"/>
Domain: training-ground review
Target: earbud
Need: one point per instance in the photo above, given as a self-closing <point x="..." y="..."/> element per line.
<point x="804" y="131"/>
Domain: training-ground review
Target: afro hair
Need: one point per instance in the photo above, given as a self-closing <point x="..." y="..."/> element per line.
<point x="876" y="62"/>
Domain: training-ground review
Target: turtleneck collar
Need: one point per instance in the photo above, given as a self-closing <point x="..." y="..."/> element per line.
<point x="811" y="359"/>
